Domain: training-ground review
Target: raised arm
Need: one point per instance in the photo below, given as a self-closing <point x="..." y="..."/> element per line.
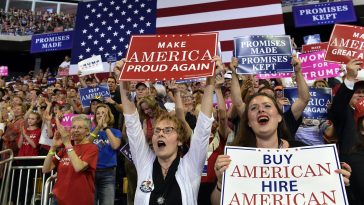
<point x="223" y="126"/>
<point x="235" y="88"/>
<point x="303" y="93"/>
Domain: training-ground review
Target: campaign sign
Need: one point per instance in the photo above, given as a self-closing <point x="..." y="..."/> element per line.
<point x="51" y="81"/>
<point x="66" y="120"/>
<point x="165" y="57"/>
<point x="125" y="150"/>
<point x="314" y="47"/>
<point x="346" y="42"/>
<point x="312" y="39"/>
<point x="316" y="107"/>
<point x="263" y="54"/>
<point x="87" y="94"/>
<point x="314" y="66"/>
<point x="51" y="42"/>
<point x="91" y="65"/>
<point x="4" y="71"/>
<point x="283" y="176"/>
<point x="323" y="14"/>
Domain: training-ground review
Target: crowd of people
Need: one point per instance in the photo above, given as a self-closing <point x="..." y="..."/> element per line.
<point x="173" y="130"/>
<point x="26" y="22"/>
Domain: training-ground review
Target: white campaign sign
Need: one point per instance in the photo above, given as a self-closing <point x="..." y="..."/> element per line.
<point x="294" y="176"/>
<point x="91" y="65"/>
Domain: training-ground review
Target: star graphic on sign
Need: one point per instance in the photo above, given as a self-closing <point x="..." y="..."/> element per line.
<point x="109" y="28"/>
<point x="108" y="40"/>
<point x="121" y="39"/>
<point x="114" y="47"/>
<point x="101" y="48"/>
<point x="83" y="43"/>
<point x="91" y="24"/>
<point x="88" y="5"/>
<point x="117" y="8"/>
<point x="123" y="13"/>
<point x="115" y="33"/>
<point x="116" y="21"/>
<point x="141" y="18"/>
<point x="100" y="4"/>
<point x="111" y="14"/>
<point x="112" y="3"/>
<point x="124" y="1"/>
<point x="97" y="30"/>
<point x="84" y="31"/>
<point x="142" y="5"/>
<point x="96" y="42"/>
<point x="135" y="25"/>
<point x="98" y="15"/>
<point x="105" y="9"/>
<point x="87" y="17"/>
<point x="136" y="11"/>
<point x="89" y="36"/>
<point x="126" y="46"/>
<point x="128" y="19"/>
<point x="122" y="26"/>
<point x="128" y="32"/>
<point x="141" y="31"/>
<point x="148" y="23"/>
<point x="88" y="50"/>
<point x="102" y="35"/>
<point x="106" y="54"/>
<point x="130" y="6"/>
<point x="120" y="53"/>
<point x="103" y="23"/>
<point x="149" y="10"/>
<point x="93" y="10"/>
<point x="80" y="57"/>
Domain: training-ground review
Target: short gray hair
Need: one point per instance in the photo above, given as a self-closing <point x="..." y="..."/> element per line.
<point x="83" y="118"/>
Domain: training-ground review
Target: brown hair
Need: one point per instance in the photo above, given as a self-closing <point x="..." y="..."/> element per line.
<point x="245" y="135"/>
<point x="111" y="120"/>
<point x="180" y="129"/>
<point x="39" y="118"/>
<point x="152" y="104"/>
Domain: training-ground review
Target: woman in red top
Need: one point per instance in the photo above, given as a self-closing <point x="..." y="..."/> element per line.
<point x="75" y="164"/>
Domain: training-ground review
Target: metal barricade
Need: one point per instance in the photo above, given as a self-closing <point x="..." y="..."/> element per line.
<point x="5" y="164"/>
<point x="47" y="195"/>
<point x="27" y="181"/>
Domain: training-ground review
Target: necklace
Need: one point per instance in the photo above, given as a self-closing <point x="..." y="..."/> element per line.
<point x="165" y="171"/>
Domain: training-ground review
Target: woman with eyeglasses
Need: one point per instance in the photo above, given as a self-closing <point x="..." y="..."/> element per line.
<point x="108" y="140"/>
<point x="163" y="176"/>
<point x="75" y="164"/>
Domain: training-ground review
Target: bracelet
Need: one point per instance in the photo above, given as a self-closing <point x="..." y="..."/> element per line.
<point x="217" y="187"/>
<point x="57" y="157"/>
<point x="51" y="152"/>
<point x="94" y="136"/>
<point x="69" y="150"/>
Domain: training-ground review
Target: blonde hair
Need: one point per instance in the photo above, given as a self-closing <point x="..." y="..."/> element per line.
<point x="111" y="120"/>
<point x="83" y="118"/>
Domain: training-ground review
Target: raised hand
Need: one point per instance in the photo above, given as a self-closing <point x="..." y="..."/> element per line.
<point x="296" y="63"/>
<point x="352" y="68"/>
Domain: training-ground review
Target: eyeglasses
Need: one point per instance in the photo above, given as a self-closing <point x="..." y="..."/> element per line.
<point x="77" y="128"/>
<point x="166" y="130"/>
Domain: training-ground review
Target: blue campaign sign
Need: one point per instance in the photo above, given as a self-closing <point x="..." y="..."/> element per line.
<point x="87" y="94"/>
<point x="263" y="54"/>
<point x="51" y="42"/>
<point x="51" y="81"/>
<point x="111" y="58"/>
<point x="323" y="14"/>
<point x="316" y="107"/>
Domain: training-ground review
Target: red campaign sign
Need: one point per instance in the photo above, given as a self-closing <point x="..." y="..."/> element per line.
<point x="346" y="42"/>
<point x="165" y="57"/>
<point x="314" y="47"/>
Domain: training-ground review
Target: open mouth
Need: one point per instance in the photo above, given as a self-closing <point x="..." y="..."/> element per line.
<point x="161" y="144"/>
<point x="263" y="120"/>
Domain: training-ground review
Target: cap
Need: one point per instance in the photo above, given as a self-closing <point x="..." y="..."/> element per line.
<point x="359" y="110"/>
<point x="142" y="83"/>
<point x="99" y="99"/>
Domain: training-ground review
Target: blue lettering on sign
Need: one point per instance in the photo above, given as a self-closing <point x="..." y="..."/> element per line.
<point x="277" y="159"/>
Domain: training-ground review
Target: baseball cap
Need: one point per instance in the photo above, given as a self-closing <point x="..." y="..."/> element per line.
<point x="142" y="83"/>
